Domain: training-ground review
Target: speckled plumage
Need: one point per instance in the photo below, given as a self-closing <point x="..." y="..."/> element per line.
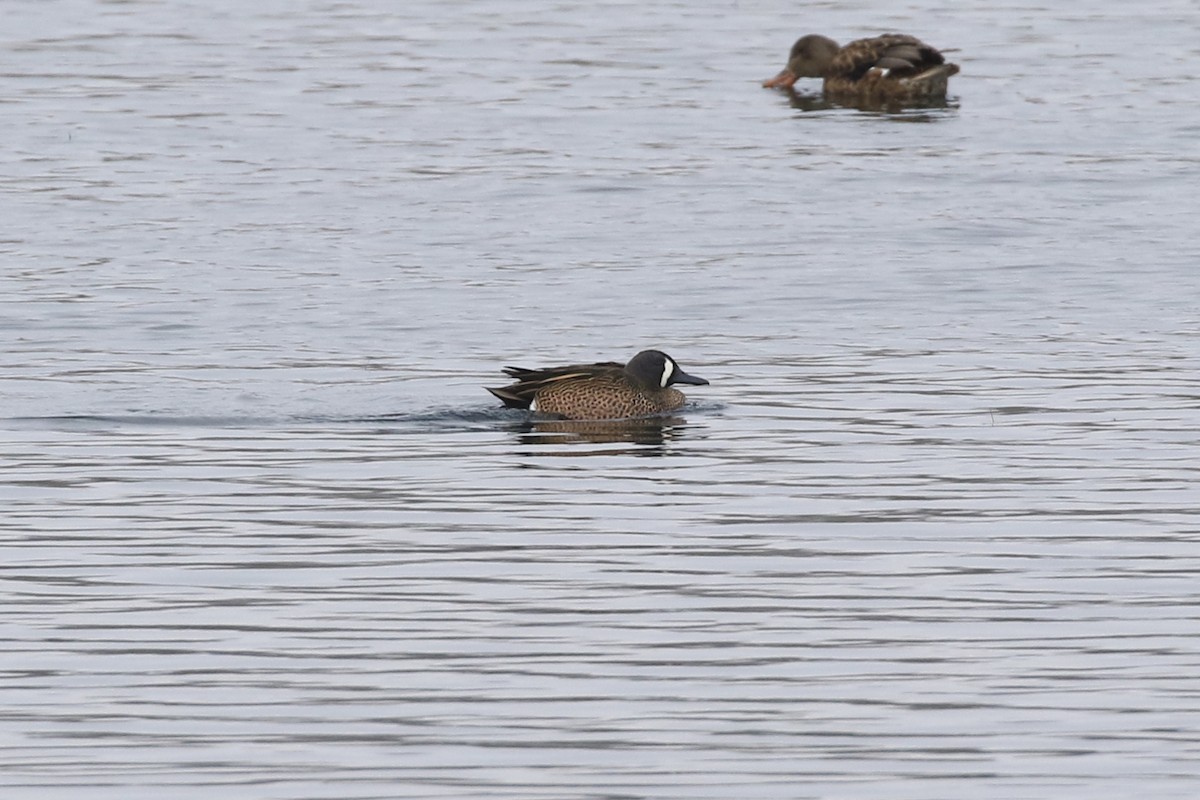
<point x="605" y="390"/>
<point x="892" y="68"/>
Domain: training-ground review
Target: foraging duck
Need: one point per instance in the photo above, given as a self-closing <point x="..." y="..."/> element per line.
<point x="606" y="390"/>
<point x="892" y="68"/>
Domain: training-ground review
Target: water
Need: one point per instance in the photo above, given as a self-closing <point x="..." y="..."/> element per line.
<point x="930" y="532"/>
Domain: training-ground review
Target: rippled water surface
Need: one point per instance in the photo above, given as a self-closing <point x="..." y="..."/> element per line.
<point x="931" y="532"/>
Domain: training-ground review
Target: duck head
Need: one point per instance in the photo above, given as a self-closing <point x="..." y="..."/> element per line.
<point x="810" y="58"/>
<point x="655" y="370"/>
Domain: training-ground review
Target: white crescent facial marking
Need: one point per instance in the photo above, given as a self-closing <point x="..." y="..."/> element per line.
<point x="668" y="371"/>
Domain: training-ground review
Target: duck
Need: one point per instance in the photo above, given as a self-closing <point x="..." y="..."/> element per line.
<point x="891" y="68"/>
<point x="605" y="390"/>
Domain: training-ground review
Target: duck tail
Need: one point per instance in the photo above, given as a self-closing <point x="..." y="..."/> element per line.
<point x="510" y="398"/>
<point x="933" y="81"/>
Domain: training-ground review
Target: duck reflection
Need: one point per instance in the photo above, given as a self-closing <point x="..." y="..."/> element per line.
<point x="908" y="111"/>
<point x="642" y="431"/>
<point x="809" y="101"/>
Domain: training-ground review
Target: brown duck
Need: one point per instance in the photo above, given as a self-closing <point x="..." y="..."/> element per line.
<point x="892" y="68"/>
<point x="606" y="390"/>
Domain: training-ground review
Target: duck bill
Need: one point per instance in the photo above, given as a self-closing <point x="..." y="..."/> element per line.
<point x="784" y="80"/>
<point x="683" y="377"/>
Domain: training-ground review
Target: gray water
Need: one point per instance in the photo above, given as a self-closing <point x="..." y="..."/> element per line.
<point x="930" y="533"/>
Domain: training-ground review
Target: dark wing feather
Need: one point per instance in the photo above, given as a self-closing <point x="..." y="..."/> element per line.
<point x="530" y="381"/>
<point x="896" y="52"/>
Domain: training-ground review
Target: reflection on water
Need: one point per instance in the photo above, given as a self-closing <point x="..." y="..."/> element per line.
<point x="642" y="431"/>
<point x="807" y="100"/>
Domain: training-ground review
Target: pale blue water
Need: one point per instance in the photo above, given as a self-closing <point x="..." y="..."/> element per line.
<point x="930" y="533"/>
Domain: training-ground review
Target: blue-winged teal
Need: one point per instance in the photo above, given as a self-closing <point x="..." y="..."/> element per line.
<point x="606" y="390"/>
<point x="892" y="68"/>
